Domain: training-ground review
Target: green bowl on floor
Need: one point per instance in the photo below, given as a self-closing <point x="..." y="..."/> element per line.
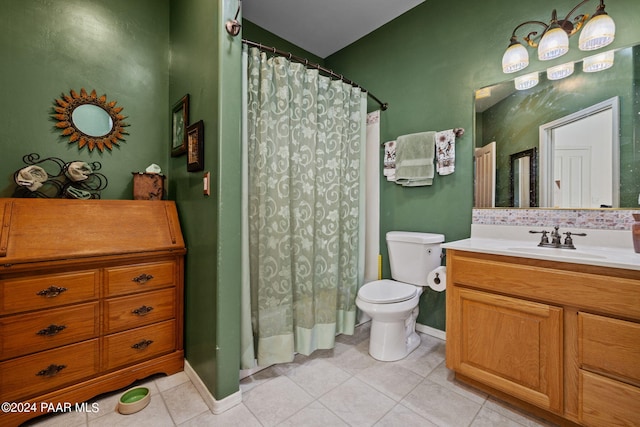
<point x="134" y="400"/>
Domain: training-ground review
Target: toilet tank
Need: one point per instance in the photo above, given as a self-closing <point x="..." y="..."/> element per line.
<point x="413" y="255"/>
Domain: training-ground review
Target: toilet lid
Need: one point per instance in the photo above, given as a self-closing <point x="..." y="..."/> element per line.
<point x="386" y="292"/>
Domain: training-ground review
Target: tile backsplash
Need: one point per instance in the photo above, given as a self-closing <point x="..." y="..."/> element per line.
<point x="615" y="219"/>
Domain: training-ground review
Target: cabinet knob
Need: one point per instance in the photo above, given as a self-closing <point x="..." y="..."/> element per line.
<point x="51" y="330"/>
<point x="142" y="311"/>
<point x="142" y="279"/>
<point x="51" y="291"/>
<point x="142" y="344"/>
<point x="51" y="371"/>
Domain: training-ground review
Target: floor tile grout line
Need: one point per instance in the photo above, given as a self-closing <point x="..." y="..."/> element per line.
<point x="164" y="402"/>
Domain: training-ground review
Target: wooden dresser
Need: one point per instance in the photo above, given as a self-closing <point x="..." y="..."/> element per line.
<point x="91" y="299"/>
<point x="561" y="340"/>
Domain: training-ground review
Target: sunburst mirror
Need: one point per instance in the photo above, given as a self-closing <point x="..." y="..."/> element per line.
<point x="89" y="120"/>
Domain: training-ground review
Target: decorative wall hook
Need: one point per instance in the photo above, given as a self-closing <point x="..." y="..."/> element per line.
<point x="233" y="25"/>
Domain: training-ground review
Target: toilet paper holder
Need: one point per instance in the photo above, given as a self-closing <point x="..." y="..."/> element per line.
<point x="436" y="279"/>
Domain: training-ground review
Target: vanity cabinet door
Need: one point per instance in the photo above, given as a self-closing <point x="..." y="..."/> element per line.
<point x="510" y="344"/>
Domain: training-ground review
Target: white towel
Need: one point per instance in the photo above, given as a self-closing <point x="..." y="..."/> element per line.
<point x="445" y="151"/>
<point x="390" y="160"/>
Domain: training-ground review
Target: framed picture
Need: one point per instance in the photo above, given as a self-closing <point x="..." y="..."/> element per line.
<point x="179" y="123"/>
<point x="195" y="147"/>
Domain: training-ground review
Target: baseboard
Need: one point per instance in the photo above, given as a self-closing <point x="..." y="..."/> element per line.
<point x="431" y="331"/>
<point x="216" y="406"/>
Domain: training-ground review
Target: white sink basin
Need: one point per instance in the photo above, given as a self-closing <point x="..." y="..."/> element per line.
<point x="557" y="252"/>
<point x="604" y="248"/>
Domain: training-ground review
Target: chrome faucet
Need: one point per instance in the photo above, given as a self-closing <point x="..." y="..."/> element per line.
<point x="556" y="238"/>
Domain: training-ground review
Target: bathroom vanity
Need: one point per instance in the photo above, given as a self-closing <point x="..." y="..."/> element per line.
<point x="91" y="298"/>
<point x="556" y="333"/>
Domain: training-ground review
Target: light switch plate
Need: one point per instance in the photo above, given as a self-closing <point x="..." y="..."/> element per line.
<point x="206" y="181"/>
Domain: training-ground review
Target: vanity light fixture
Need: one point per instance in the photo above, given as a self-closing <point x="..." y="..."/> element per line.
<point x="560" y="71"/>
<point x="527" y="81"/>
<point x="553" y="42"/>
<point x="598" y="62"/>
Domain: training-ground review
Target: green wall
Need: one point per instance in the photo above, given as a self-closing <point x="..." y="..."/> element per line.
<point x="205" y="63"/>
<point x="118" y="48"/>
<point x="145" y="54"/>
<point x="426" y="64"/>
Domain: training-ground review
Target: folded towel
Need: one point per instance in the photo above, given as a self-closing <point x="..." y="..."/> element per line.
<point x="390" y="160"/>
<point x="414" y="159"/>
<point x="446" y="151"/>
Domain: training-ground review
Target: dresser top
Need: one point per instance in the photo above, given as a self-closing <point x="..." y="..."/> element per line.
<point x="44" y="230"/>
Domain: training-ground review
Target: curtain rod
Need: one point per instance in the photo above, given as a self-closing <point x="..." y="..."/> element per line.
<point x="290" y="56"/>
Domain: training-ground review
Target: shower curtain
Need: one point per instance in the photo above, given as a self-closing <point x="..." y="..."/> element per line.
<point x="304" y="234"/>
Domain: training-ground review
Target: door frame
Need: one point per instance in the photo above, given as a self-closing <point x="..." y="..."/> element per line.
<point x="546" y="148"/>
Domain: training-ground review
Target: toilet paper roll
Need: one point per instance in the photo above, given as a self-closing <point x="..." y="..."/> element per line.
<point x="437" y="279"/>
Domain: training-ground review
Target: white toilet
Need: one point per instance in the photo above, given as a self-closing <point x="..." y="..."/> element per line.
<point x="393" y="304"/>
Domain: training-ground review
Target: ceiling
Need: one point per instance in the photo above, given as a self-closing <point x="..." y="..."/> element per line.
<point x="323" y="27"/>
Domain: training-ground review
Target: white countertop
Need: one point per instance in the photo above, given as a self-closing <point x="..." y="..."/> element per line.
<point x="606" y="248"/>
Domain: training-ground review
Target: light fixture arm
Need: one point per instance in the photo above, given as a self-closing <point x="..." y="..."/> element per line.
<point x="566" y="18"/>
<point x="529" y="37"/>
<point x="566" y="24"/>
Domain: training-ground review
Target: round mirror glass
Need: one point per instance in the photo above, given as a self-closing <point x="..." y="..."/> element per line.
<point x="92" y="120"/>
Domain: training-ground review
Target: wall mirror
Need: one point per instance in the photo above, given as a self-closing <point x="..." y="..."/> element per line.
<point x="515" y="121"/>
<point x="89" y="120"/>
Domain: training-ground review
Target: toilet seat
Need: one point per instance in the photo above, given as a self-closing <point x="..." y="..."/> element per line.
<point x="386" y="292"/>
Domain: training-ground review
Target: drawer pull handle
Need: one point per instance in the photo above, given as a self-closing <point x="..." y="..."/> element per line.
<point x="142" y="279"/>
<point x="142" y="344"/>
<point x="142" y="311"/>
<point x="51" y="371"/>
<point x="51" y="291"/>
<point x="51" y="330"/>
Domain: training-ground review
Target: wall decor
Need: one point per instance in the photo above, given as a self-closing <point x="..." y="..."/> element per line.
<point x="52" y="177"/>
<point x="89" y="120"/>
<point x="195" y="147"/>
<point x="179" y="123"/>
<point x="148" y="186"/>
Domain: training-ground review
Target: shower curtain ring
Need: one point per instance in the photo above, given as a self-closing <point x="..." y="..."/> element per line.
<point x="289" y="56"/>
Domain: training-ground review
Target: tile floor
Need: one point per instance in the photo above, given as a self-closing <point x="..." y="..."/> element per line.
<point x="339" y="387"/>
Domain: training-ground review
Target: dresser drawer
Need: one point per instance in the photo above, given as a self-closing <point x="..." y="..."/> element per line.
<point x="129" y="347"/>
<point x="30" y="375"/>
<point x="138" y="278"/>
<point x="138" y="310"/>
<point x="27" y="333"/>
<point x="606" y="402"/>
<point x="47" y="291"/>
<point x="610" y="346"/>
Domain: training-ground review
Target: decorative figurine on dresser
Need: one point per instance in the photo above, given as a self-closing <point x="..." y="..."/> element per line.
<point x="91" y="299"/>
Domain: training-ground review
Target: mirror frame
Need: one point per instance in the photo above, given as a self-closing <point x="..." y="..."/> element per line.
<point x="532" y="153"/>
<point x="64" y="108"/>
